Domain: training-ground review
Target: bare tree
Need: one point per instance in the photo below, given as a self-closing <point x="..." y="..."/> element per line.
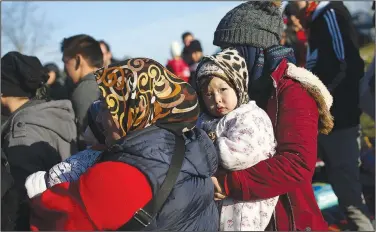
<point x="24" y="27"/>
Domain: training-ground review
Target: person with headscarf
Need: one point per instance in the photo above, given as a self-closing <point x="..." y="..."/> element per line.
<point x="298" y="105"/>
<point x="145" y="111"/>
<point x="38" y="132"/>
<point x="242" y="133"/>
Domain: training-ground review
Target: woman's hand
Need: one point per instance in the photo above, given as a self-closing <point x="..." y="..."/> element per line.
<point x="218" y="190"/>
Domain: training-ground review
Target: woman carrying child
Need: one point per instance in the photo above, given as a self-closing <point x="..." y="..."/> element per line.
<point x="146" y="109"/>
<point x="298" y="105"/>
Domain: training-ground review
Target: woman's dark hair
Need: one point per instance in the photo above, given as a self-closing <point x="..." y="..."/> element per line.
<point x="185" y="34"/>
<point x="52" y="67"/>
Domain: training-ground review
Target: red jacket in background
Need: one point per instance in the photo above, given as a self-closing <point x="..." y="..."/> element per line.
<point x="179" y="68"/>
<point x="295" y="117"/>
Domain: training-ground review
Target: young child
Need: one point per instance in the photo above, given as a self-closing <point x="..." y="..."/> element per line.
<point x="241" y="131"/>
<point x="73" y="167"/>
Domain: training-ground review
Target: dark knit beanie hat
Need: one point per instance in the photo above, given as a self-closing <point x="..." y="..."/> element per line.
<point x="257" y="24"/>
<point x="21" y="75"/>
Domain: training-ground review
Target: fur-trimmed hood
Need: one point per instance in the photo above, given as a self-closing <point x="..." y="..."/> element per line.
<point x="318" y="91"/>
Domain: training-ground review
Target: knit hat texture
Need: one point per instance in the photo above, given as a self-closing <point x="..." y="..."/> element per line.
<point x="254" y="23"/>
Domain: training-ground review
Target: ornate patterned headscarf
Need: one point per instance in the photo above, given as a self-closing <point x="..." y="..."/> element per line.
<point x="140" y="92"/>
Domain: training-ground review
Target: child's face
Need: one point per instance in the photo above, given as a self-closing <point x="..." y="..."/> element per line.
<point x="219" y="97"/>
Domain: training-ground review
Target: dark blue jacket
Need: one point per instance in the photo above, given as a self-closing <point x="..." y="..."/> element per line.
<point x="190" y="206"/>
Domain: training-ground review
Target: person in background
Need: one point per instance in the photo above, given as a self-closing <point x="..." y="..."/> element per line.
<point x="196" y="52"/>
<point x="333" y="55"/>
<point x="82" y="56"/>
<point x="367" y="85"/>
<point x="187" y="38"/>
<point x="39" y="133"/>
<point x="58" y="89"/>
<point x="177" y="65"/>
<point x="295" y="34"/>
<point x="107" y="54"/>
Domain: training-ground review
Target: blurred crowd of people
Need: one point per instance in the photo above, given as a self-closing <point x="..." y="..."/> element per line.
<point x="227" y="141"/>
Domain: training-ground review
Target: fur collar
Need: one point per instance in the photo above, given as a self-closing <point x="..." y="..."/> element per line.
<point x="318" y="91"/>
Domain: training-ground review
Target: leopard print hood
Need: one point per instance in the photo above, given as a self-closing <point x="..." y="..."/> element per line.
<point x="229" y="66"/>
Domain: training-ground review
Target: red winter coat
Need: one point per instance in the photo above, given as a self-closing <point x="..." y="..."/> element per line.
<point x="295" y="115"/>
<point x="179" y="68"/>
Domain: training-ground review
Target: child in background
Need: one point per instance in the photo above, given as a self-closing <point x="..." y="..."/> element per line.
<point x="73" y="167"/>
<point x="177" y="65"/>
<point x="242" y="132"/>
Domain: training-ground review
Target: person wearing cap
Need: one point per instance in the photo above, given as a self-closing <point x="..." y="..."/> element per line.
<point x="38" y="133"/>
<point x="196" y="52"/>
<point x="298" y="105"/>
<point x="334" y="56"/>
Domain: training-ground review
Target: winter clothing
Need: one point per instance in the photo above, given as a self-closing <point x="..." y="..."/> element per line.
<point x="190" y="206"/>
<point x="244" y="138"/>
<point x="67" y="171"/>
<point x="9" y="197"/>
<point x="179" y="68"/>
<point x="73" y="167"/>
<point x="238" y="145"/>
<point x="255" y="59"/>
<point x="44" y="131"/>
<point x="95" y="129"/>
<point x="158" y="106"/>
<point x="257" y="24"/>
<point x="296" y="105"/>
<point x="333" y="55"/>
<point x="230" y="67"/>
<point x="340" y="152"/>
<point x="175" y="49"/>
<point x="86" y="92"/>
<point x="37" y="136"/>
<point x="21" y="75"/>
<point x="367" y="91"/>
<point x="169" y="107"/>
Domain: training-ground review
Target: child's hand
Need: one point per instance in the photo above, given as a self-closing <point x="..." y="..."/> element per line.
<point x="219" y="194"/>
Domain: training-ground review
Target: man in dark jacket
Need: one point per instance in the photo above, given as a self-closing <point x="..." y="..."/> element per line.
<point x="333" y="56"/>
<point x="196" y="52"/>
<point x="82" y="55"/>
<point x="187" y="38"/>
<point x="38" y="133"/>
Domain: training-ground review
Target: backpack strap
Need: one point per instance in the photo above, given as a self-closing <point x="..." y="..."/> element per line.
<point x="144" y="216"/>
